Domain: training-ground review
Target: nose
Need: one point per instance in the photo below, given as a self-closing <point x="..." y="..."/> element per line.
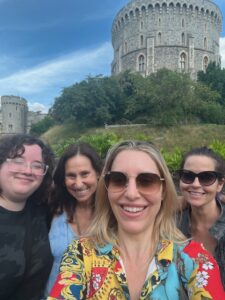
<point x="27" y="168"/>
<point x="78" y="181"/>
<point x="196" y="182"/>
<point x="131" y="191"/>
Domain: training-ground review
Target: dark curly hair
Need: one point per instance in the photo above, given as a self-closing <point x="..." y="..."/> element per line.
<point x="61" y="200"/>
<point x="13" y="145"/>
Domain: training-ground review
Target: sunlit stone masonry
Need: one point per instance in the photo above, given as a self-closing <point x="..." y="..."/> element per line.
<point x="148" y="35"/>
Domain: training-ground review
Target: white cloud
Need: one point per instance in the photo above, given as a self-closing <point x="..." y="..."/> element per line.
<point x="222" y="51"/>
<point x="38" y="107"/>
<point x="43" y="83"/>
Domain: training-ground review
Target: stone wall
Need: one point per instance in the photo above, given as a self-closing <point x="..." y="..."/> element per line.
<point x="15" y="117"/>
<point x="179" y="35"/>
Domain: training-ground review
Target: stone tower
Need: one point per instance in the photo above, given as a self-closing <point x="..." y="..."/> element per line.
<point x="181" y="35"/>
<point x="14" y="114"/>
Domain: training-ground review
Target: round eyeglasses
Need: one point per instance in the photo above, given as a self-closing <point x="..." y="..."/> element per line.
<point x="18" y="164"/>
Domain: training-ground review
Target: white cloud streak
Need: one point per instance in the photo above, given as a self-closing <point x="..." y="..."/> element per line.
<point x="44" y="82"/>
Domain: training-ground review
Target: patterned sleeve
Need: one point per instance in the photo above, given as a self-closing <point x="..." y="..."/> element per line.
<point x="205" y="281"/>
<point x="71" y="281"/>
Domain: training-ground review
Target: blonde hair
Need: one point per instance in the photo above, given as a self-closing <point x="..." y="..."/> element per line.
<point x="103" y="228"/>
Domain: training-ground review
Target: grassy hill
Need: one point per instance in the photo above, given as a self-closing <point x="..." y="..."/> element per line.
<point x="182" y="136"/>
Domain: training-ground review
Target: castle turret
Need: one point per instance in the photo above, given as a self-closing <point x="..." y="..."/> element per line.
<point x="182" y="35"/>
<point x="14" y="114"/>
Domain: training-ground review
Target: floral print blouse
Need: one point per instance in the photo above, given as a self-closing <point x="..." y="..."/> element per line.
<point x="184" y="271"/>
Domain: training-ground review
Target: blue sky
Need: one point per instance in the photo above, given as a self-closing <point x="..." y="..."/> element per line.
<point x="47" y="45"/>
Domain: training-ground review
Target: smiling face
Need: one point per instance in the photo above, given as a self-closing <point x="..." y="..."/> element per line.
<point x="81" y="179"/>
<point x="196" y="194"/>
<point x="16" y="187"/>
<point x="135" y="212"/>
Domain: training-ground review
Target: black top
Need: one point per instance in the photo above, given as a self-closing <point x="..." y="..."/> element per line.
<point x="25" y="255"/>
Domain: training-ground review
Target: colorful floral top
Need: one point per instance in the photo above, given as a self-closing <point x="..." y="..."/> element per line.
<point x="184" y="271"/>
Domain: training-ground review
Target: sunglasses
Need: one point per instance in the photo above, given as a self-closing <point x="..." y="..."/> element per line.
<point x="205" y="178"/>
<point x="146" y="183"/>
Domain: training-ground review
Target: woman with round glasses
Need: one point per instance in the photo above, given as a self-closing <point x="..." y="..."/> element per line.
<point x="72" y="199"/>
<point x="26" y="165"/>
<point x="201" y="180"/>
<point x="134" y="250"/>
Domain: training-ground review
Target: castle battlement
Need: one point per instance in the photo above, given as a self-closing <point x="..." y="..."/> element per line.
<point x="180" y="35"/>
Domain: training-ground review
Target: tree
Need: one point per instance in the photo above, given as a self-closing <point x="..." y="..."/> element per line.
<point x="42" y="126"/>
<point x="214" y="77"/>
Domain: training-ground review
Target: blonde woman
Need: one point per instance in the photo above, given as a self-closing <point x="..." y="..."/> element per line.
<point x="134" y="250"/>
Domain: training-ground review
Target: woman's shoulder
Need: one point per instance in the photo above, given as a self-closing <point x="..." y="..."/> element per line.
<point x="88" y="247"/>
<point x="192" y="248"/>
<point x="58" y="229"/>
<point x="201" y="268"/>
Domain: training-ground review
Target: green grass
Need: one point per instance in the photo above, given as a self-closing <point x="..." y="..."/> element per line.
<point x="182" y="136"/>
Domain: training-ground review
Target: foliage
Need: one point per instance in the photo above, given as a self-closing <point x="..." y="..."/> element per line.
<point x="165" y="98"/>
<point x="60" y="147"/>
<point x="214" y="77"/>
<point x="173" y="160"/>
<point x="42" y="126"/>
<point x="101" y="142"/>
<point x="218" y="147"/>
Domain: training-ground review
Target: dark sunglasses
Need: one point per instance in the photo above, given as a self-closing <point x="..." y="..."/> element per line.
<point x="146" y="182"/>
<point x="205" y="178"/>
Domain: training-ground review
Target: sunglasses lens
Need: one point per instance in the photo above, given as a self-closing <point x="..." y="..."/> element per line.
<point x="148" y="183"/>
<point x="187" y="176"/>
<point x="207" y="178"/>
<point x="115" y="181"/>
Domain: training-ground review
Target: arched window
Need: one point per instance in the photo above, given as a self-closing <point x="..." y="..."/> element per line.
<point x="183" y="61"/>
<point x="205" y="63"/>
<point x="142" y="25"/>
<point x="141" y="63"/>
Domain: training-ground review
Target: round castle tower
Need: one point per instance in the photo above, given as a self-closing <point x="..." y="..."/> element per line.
<point x="14" y="114"/>
<point x="148" y="35"/>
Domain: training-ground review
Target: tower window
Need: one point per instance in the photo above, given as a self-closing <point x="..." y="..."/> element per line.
<point x="159" y="38"/>
<point x="141" y="63"/>
<point x="205" y="43"/>
<point x="183" y="61"/>
<point x="205" y="63"/>
<point x="141" y="40"/>
<point x="182" y="22"/>
<point x="183" y="38"/>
